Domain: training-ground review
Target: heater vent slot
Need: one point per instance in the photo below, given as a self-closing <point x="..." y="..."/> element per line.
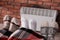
<point x="38" y="11"/>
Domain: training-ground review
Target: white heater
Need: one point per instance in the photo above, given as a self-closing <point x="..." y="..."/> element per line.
<point x="38" y="14"/>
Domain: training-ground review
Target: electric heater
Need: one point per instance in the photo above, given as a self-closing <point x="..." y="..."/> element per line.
<point x="39" y="15"/>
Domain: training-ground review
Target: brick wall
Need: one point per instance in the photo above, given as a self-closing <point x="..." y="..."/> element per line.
<point x="12" y="7"/>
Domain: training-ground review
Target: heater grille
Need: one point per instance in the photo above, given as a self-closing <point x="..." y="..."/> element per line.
<point x="38" y="14"/>
<point x="38" y="11"/>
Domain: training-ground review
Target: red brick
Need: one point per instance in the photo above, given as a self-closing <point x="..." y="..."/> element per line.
<point x="45" y="6"/>
<point x="0" y="0"/>
<point x="5" y="3"/>
<point x="9" y="6"/>
<point x="9" y="0"/>
<point x="56" y="8"/>
<point x="55" y="4"/>
<point x="16" y="7"/>
<point x="39" y="0"/>
<point x="18" y="11"/>
<point x="13" y="10"/>
<point x="3" y="0"/>
<point x="29" y="5"/>
<point x="23" y="1"/>
<point x="46" y="0"/>
<point x="4" y="8"/>
<point x="1" y="7"/>
<point x="50" y="4"/>
<point x="1" y="20"/>
<point x="9" y="13"/>
<point x="24" y="5"/>
<point x="1" y="3"/>
<point x="32" y="2"/>
<point x="0" y="11"/>
<point x="56" y="1"/>
<point x="13" y="15"/>
<point x="39" y="3"/>
<point x="47" y="3"/>
<point x="18" y="1"/>
<point x="17" y="4"/>
<point x="10" y="3"/>
<point x="18" y="17"/>
<point x="1" y="16"/>
<point x="4" y="11"/>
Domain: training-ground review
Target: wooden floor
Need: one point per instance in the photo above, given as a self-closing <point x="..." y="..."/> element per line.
<point x="57" y="36"/>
